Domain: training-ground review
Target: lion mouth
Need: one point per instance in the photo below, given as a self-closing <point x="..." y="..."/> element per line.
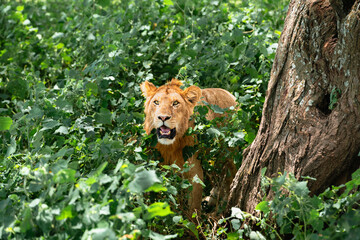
<point x="166" y="132"/>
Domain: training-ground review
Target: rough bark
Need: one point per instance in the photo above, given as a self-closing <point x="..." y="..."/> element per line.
<point x="318" y="58"/>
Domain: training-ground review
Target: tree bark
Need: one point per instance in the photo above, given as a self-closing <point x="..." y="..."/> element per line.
<point x="311" y="116"/>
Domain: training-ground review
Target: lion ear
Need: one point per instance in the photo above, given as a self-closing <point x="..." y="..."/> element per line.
<point x="148" y="89"/>
<point x="193" y="94"/>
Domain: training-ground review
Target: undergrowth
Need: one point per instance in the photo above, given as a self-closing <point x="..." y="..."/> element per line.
<point x="74" y="158"/>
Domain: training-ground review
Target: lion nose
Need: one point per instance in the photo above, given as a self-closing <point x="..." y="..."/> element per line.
<point x="164" y="118"/>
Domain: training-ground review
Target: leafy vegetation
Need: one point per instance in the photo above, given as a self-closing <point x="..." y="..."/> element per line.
<point x="74" y="155"/>
<point x="292" y="213"/>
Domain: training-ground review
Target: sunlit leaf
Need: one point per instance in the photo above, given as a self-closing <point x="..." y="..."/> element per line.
<point x="60" y="46"/>
<point x="157" y="236"/>
<point x="196" y="179"/>
<point x="256" y="235"/>
<point x="20" y="8"/>
<point x="157" y="187"/>
<point x="62" y="130"/>
<point x="147" y="64"/>
<point x="5" y="123"/>
<point x="66" y="213"/>
<point x="168" y="2"/>
<point x="263" y="207"/>
<point x="158" y="209"/>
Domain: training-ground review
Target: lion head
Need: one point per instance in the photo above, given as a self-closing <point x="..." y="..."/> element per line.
<point x="168" y="109"/>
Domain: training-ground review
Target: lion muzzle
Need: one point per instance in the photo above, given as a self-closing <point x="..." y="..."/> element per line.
<point x="166" y="132"/>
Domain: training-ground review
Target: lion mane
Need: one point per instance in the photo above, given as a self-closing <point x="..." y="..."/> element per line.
<point x="168" y="109"/>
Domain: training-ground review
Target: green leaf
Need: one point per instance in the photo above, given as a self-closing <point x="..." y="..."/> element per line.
<point x="250" y="137"/>
<point x="65" y="176"/>
<point x="196" y="179"/>
<point x="62" y="130"/>
<point x="25" y="171"/>
<point x="203" y="110"/>
<point x="158" y="209"/>
<point x="104" y="3"/>
<point x="104" y="117"/>
<point x="239" y="135"/>
<point x="64" y="105"/>
<point x="235" y="223"/>
<point x="12" y="147"/>
<point x="218" y="109"/>
<point x="157" y="236"/>
<point x="20" y="8"/>
<point x="236" y="212"/>
<point x="34" y="203"/>
<point x="168" y="2"/>
<point x="233" y="236"/>
<point x="91" y="180"/>
<point x="147" y="64"/>
<point x="157" y="187"/>
<point x="66" y="213"/>
<point x="101" y="233"/>
<point x="213" y="132"/>
<point x="100" y="169"/>
<point x="356" y="174"/>
<point x="35" y="113"/>
<point x="26" y="222"/>
<point x="91" y="89"/>
<point x="19" y="88"/>
<point x="301" y="189"/>
<point x="60" y="46"/>
<point x="177" y="219"/>
<point x="126" y="217"/>
<point x="192" y="227"/>
<point x="263" y="206"/>
<point x="49" y="124"/>
<point x="143" y="180"/>
<point x="256" y="235"/>
<point x="280" y="180"/>
<point x="263" y="171"/>
<point x="5" y="123"/>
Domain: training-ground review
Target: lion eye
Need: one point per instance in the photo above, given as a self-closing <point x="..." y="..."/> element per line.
<point x="175" y="103"/>
<point x="156" y="102"/>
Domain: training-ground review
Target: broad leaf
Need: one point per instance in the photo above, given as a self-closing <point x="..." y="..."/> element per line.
<point x="143" y="180"/>
<point x="5" y="123"/>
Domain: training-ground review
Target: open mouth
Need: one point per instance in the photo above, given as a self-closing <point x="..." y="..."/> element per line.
<point x="166" y="132"/>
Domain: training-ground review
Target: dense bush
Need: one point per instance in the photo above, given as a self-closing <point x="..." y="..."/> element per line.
<point x="74" y="160"/>
<point x="293" y="214"/>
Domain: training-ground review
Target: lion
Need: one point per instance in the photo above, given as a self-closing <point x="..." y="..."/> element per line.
<point x="168" y="110"/>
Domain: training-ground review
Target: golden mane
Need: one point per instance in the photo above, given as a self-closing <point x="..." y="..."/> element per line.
<point x="174" y="82"/>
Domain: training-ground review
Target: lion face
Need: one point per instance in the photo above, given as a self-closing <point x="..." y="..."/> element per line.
<point x="168" y="109"/>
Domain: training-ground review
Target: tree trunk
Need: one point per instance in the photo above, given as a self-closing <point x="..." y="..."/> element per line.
<point x="311" y="116"/>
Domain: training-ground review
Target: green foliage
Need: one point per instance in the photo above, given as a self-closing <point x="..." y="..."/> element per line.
<point x="74" y="159"/>
<point x="332" y="214"/>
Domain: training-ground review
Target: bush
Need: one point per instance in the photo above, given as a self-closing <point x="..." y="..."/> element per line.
<point x="293" y="213"/>
<point x="75" y="161"/>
